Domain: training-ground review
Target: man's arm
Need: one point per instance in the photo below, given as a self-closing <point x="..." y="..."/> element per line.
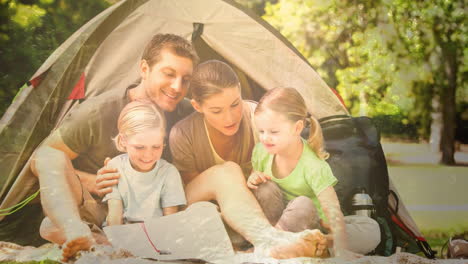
<point x="55" y="141"/>
<point x="100" y="183"/>
<point x="61" y="190"/>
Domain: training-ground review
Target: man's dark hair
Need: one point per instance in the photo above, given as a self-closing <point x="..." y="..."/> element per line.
<point x="176" y="44"/>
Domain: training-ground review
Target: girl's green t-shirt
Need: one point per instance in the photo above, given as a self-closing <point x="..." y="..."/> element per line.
<point x="309" y="178"/>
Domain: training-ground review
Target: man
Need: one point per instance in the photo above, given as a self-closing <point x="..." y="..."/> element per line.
<point x="67" y="161"/>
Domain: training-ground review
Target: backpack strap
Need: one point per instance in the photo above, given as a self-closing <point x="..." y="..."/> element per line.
<point x="327" y="118"/>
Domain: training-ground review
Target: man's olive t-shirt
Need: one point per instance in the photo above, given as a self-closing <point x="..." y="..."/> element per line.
<point x="88" y="129"/>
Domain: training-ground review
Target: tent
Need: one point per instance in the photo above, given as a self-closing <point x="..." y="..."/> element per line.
<point x="104" y="53"/>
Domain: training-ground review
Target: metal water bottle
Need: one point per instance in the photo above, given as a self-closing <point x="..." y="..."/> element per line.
<point x="362" y="203"/>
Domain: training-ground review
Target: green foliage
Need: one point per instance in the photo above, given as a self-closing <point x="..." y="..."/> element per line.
<point x="257" y="6"/>
<point x="30" y="31"/>
<point x="384" y="57"/>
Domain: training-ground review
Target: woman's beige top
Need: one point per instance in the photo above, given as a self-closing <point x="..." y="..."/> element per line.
<point x="192" y="150"/>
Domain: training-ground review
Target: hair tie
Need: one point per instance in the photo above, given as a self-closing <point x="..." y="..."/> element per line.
<point x="308" y="120"/>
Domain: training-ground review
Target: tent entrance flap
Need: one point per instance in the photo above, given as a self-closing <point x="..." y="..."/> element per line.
<point x="197" y="31"/>
<point x="251" y="90"/>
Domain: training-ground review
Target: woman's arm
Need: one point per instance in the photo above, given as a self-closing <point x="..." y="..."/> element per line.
<point x="115" y="215"/>
<point x="188" y="176"/>
<point x="331" y="208"/>
<point x="170" y="210"/>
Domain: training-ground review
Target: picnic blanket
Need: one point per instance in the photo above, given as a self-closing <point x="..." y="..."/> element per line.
<point x="109" y="255"/>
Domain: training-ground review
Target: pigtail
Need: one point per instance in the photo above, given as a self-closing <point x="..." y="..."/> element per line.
<point x="315" y="140"/>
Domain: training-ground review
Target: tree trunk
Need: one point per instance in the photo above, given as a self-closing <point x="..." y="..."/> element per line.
<point x="363" y="107"/>
<point x="436" y="125"/>
<point x="449" y="104"/>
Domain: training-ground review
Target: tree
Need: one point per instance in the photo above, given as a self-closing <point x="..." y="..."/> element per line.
<point x="30" y="31"/>
<point x="351" y="45"/>
<point x="436" y="33"/>
<point x="384" y="57"/>
<point x="257" y="6"/>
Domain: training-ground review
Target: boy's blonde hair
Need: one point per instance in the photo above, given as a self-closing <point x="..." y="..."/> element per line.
<point x="289" y="102"/>
<point x="136" y="117"/>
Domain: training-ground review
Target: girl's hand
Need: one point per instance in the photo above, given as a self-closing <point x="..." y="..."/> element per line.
<point x="257" y="178"/>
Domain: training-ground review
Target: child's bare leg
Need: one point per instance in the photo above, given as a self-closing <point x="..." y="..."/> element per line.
<point x="61" y="194"/>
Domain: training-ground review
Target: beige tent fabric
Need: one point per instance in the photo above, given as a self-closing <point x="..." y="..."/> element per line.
<point x="240" y="39"/>
<point x="402" y="211"/>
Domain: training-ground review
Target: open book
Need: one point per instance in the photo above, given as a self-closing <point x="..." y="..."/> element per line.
<point x="196" y="233"/>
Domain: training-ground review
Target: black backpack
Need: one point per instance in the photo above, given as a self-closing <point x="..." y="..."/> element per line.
<point x="358" y="162"/>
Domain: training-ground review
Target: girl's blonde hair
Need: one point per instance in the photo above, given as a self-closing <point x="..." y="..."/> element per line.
<point x="136" y="117"/>
<point x="289" y="102"/>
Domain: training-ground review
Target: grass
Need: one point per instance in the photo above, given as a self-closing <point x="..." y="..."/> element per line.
<point x="420" y="180"/>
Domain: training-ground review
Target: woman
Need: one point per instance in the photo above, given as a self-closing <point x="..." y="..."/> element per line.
<point x="212" y="147"/>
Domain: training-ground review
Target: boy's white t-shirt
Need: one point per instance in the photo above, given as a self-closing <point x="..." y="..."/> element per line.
<point x="145" y="194"/>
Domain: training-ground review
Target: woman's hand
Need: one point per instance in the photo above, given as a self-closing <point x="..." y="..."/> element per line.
<point x="106" y="178"/>
<point x="257" y="178"/>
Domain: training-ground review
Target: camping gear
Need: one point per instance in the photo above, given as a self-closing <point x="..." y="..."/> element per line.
<point x="457" y="248"/>
<point x="362" y="203"/>
<point x="357" y="159"/>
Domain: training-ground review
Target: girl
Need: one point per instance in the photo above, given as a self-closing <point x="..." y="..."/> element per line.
<point x="291" y="169"/>
<point x="149" y="186"/>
